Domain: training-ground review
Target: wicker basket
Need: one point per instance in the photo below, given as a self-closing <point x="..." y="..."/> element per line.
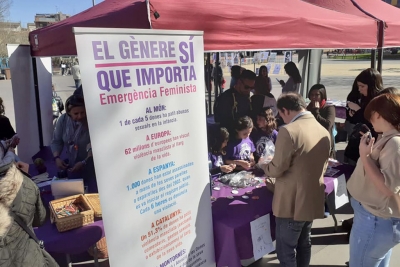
<point x="73" y="221"/>
<point x="94" y="201"/>
<point x="102" y="251"/>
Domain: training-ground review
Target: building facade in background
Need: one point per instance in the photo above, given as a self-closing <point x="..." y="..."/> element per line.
<point x="11" y="26"/>
<point x="31" y="26"/>
<point x="393" y="2"/>
<point x="43" y="20"/>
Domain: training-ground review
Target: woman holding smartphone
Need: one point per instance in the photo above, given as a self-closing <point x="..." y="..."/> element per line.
<point x="294" y="81"/>
<point x="375" y="187"/>
<point x="369" y="84"/>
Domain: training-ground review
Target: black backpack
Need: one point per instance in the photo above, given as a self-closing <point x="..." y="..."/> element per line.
<point x="217" y="106"/>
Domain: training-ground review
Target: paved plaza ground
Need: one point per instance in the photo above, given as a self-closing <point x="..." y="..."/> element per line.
<point x="329" y="249"/>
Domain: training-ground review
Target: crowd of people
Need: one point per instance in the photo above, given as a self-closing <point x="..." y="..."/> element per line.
<point x="249" y="118"/>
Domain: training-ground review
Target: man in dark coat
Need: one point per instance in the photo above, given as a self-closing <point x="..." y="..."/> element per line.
<point x="235" y="102"/>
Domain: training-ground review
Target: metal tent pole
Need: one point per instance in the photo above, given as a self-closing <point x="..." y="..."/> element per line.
<point x="381" y="36"/>
<point x="373" y="58"/>
<point x="216" y="85"/>
<point x="37" y="99"/>
<point x="208" y="82"/>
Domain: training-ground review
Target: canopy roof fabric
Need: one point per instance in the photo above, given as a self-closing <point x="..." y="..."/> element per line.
<point x="387" y="13"/>
<point x="343" y="6"/>
<point x="376" y="9"/>
<point x="59" y="40"/>
<point x="274" y="24"/>
<point x="228" y="25"/>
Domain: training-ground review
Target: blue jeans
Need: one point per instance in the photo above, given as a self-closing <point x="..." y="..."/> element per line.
<point x="293" y="242"/>
<point x="372" y="238"/>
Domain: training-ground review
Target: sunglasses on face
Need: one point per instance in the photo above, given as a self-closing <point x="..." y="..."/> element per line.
<point x="246" y="86"/>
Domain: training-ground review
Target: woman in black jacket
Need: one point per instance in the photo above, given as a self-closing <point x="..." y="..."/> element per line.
<point x="6" y="130"/>
<point x="369" y="84"/>
<point x="355" y="97"/>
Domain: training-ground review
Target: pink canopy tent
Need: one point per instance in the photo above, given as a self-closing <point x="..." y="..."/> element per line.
<point x="343" y="6"/>
<point x="228" y="25"/>
<point x="388" y="14"/>
<point x="58" y="39"/>
<point x="255" y="25"/>
<point x="374" y="9"/>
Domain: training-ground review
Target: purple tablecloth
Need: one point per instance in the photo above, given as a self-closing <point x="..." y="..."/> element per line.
<point x="340" y="112"/>
<point x="71" y="242"/>
<point x="231" y="220"/>
<point x="232" y="217"/>
<point x="345" y="169"/>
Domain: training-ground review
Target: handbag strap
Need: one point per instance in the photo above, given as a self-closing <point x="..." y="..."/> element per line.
<point x="26" y="229"/>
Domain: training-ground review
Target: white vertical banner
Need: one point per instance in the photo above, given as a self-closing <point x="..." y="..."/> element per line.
<point x="45" y="76"/>
<point x="144" y="95"/>
<point x="26" y="119"/>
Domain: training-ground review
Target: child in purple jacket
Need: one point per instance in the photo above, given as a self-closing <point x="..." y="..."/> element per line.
<point x="240" y="149"/>
<point x="217" y="145"/>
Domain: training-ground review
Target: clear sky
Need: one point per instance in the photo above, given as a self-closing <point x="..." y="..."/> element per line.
<point x="24" y="10"/>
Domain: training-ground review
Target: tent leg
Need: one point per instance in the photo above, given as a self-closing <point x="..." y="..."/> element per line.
<point x="303" y="60"/>
<point x="314" y="69"/>
<point x="216" y="85"/>
<point x="37" y="99"/>
<point x="373" y="59"/>
<point x="380" y="59"/>
<point x="381" y="35"/>
<point x="208" y="82"/>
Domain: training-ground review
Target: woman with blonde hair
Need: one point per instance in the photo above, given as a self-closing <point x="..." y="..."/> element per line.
<point x="375" y="187"/>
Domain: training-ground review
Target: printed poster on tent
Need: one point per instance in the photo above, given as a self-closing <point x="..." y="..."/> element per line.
<point x="143" y="89"/>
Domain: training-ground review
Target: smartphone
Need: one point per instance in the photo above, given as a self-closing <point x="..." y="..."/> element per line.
<point x="369" y="137"/>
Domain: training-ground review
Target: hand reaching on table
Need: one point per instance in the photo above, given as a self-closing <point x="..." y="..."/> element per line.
<point x="227" y="168"/>
<point x="77" y="167"/>
<point x="244" y="164"/>
<point x="61" y="164"/>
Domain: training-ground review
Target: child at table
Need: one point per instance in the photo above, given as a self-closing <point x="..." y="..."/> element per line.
<point x="266" y="131"/>
<point x="240" y="149"/>
<point x="217" y="145"/>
